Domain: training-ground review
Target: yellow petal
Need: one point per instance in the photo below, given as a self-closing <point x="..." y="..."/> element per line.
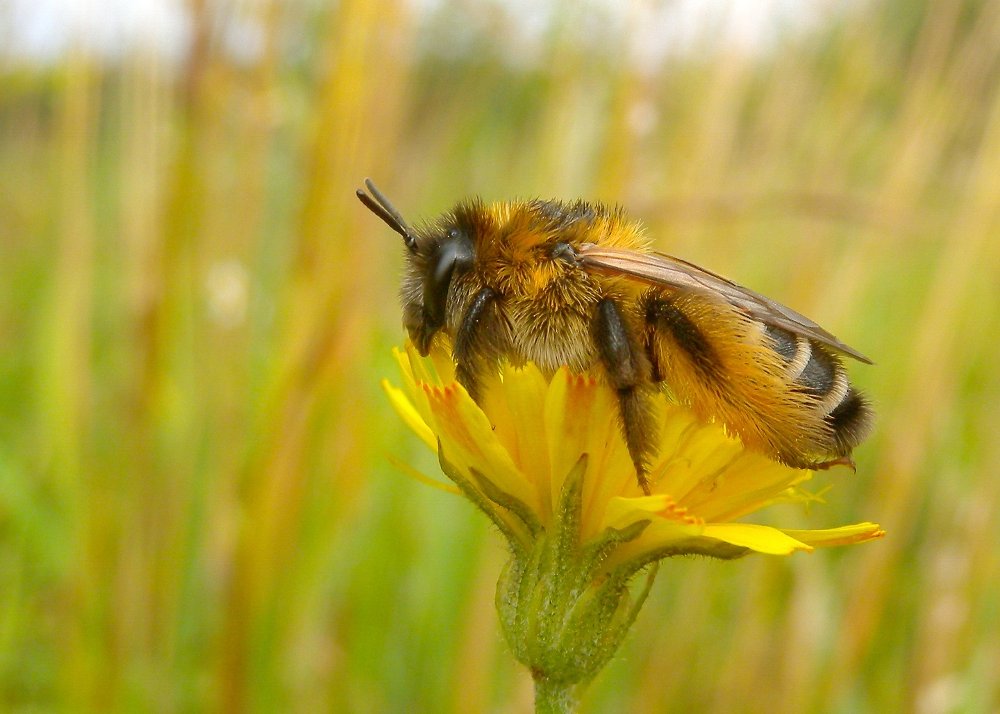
<point x="568" y="407"/>
<point x="402" y="358"/>
<point x="414" y="375"/>
<point x="668" y="526"/>
<point x="409" y="415"/>
<point x="762" y="539"/>
<point x="659" y="534"/>
<point x="469" y="442"/>
<point x="750" y="482"/>
<point x="444" y="364"/>
<point x="581" y="417"/>
<point x="845" y="535"/>
<point x="524" y="389"/>
<point x="493" y="402"/>
<point x="622" y="511"/>
<point x="420" y="369"/>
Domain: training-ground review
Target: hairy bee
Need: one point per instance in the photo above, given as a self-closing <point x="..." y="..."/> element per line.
<point x="575" y="283"/>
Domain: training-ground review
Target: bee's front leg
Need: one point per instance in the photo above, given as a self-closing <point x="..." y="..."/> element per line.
<point x="628" y="369"/>
<point x="482" y="338"/>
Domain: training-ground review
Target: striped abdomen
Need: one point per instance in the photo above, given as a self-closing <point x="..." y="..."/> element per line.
<point x="781" y="393"/>
<point x="818" y="372"/>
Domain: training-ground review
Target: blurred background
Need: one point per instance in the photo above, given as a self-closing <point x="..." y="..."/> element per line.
<point x="197" y="508"/>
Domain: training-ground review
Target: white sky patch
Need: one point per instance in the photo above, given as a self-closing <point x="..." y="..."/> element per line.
<point x="46" y="29"/>
<point x="667" y="29"/>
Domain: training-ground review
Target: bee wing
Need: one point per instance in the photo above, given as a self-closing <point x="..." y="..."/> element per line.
<point x="673" y="273"/>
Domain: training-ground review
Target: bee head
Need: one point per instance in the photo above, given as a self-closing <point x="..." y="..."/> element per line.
<point x="433" y="260"/>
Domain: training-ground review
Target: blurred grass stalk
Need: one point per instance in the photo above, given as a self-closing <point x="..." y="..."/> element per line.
<point x="194" y="300"/>
<point x="65" y="394"/>
<point x="217" y="502"/>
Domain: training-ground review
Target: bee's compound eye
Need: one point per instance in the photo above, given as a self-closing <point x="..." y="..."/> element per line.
<point x="454" y="253"/>
<point x="453" y="256"/>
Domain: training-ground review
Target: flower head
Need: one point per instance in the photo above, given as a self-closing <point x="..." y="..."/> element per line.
<point x="515" y="450"/>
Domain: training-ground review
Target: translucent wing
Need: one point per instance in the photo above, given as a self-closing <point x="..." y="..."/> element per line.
<point x="673" y="273"/>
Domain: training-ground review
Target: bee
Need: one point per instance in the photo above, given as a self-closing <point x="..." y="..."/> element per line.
<point x="577" y="284"/>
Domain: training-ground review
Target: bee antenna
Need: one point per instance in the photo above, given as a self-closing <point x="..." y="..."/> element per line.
<point x="378" y="204"/>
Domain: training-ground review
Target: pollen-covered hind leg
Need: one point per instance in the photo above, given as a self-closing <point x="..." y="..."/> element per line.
<point x="628" y="371"/>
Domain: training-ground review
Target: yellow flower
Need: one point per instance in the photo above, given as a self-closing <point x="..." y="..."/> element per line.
<point x="544" y="458"/>
<point x="518" y="448"/>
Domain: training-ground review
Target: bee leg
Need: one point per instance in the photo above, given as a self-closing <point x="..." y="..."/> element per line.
<point x="841" y="461"/>
<point x="480" y="339"/>
<point x="628" y="369"/>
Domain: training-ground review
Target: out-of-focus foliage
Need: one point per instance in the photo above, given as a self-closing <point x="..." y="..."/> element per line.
<point x="196" y="505"/>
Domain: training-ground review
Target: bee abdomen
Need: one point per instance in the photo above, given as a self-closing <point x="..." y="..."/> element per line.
<point x="850" y="421"/>
<point x="687" y="336"/>
<point x="815" y="371"/>
<point x="780" y="392"/>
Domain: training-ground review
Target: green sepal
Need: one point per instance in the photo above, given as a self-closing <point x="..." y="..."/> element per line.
<point x="563" y="616"/>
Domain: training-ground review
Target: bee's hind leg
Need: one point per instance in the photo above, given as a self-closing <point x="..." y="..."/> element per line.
<point x="628" y="369"/>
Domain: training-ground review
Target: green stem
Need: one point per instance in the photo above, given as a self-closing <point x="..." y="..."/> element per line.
<point x="552" y="697"/>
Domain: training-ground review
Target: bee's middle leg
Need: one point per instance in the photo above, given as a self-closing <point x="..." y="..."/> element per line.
<point x="629" y="370"/>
